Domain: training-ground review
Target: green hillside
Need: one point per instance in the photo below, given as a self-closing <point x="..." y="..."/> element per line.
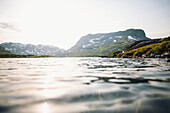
<point x="105" y="49"/>
<point x="152" y="48"/>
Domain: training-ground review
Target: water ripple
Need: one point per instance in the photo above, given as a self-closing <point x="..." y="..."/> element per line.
<point x="89" y="85"/>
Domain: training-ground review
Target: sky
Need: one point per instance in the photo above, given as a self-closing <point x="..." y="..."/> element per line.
<point x="63" y="22"/>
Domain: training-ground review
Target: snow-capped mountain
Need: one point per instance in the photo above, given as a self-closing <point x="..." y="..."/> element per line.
<point x="103" y="43"/>
<point x="89" y="45"/>
<point x="3" y="51"/>
<point x="30" y="49"/>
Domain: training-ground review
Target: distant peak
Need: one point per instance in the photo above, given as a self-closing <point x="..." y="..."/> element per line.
<point x="132" y="29"/>
<point x="128" y="30"/>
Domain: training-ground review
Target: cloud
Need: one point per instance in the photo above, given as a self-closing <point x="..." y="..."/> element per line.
<point x="8" y="30"/>
<point x="7" y="25"/>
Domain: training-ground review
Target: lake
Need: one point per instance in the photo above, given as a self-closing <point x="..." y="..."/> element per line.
<point x="84" y="85"/>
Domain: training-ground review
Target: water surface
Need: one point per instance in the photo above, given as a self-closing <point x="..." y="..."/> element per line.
<point x="84" y="85"/>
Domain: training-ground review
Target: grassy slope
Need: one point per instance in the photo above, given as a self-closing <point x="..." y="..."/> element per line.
<point x="105" y="49"/>
<point x="138" y="48"/>
<point x="157" y="49"/>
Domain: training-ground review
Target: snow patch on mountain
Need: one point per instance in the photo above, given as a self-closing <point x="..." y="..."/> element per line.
<point x="130" y="37"/>
<point x="110" y="37"/>
<point x="30" y="49"/>
<point x="118" y="36"/>
<point x="85" y="46"/>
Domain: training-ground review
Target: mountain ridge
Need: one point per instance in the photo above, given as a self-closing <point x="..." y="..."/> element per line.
<point x="4" y="52"/>
<point x="93" y="43"/>
<point x="31" y="49"/>
<point x="89" y="45"/>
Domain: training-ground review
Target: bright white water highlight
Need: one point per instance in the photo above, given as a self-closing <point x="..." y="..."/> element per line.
<point x="93" y="85"/>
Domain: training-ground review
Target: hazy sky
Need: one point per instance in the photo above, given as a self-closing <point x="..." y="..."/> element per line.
<point x="63" y="22"/>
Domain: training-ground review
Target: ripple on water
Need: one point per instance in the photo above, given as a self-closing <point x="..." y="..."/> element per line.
<point x="95" y="85"/>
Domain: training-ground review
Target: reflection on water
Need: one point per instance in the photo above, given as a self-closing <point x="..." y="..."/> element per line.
<point x="45" y="108"/>
<point x="87" y="85"/>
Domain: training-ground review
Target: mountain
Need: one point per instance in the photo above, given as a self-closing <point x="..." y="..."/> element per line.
<point x="4" y="52"/>
<point x="30" y="49"/>
<point x="104" y="43"/>
<point x="155" y="48"/>
<point x="90" y="45"/>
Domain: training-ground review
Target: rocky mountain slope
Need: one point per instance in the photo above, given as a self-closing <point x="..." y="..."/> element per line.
<point x="104" y="43"/>
<point x="89" y="45"/>
<point x="155" y="48"/>
<point x="4" y="52"/>
<point x="30" y="49"/>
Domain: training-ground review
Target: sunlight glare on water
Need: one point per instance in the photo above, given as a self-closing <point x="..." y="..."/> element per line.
<point x="45" y="108"/>
<point x="97" y="85"/>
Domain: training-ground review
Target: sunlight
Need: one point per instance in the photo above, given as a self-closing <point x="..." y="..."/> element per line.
<point x="49" y="19"/>
<point x="56" y="19"/>
<point x="63" y="22"/>
<point x="47" y="79"/>
<point x="78" y="56"/>
<point x="45" y="93"/>
<point x="45" y="108"/>
<point x="51" y="88"/>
